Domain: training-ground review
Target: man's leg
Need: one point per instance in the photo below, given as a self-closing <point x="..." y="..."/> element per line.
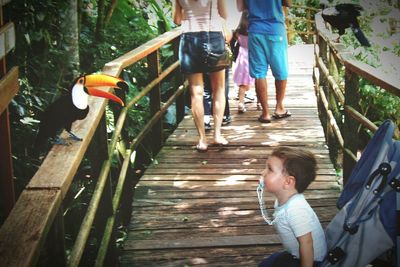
<point x="278" y="59"/>
<point x="258" y="66"/>
<point x="207" y="102"/>
<point x="280" y="87"/>
<point x="227" y="113"/>
<point x="207" y="95"/>
<point x="262" y="96"/>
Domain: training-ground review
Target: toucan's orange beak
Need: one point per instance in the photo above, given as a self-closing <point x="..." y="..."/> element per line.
<point x="96" y="80"/>
<point x="104" y="94"/>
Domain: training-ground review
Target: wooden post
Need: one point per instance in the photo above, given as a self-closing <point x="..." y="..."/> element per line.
<point x="180" y="101"/>
<point x="7" y="192"/>
<point x="330" y="136"/>
<point x="153" y="61"/>
<point x="332" y="103"/>
<point x="309" y="27"/>
<point x="55" y="242"/>
<point x="6" y="171"/>
<point x="323" y="85"/>
<point x="350" y="127"/>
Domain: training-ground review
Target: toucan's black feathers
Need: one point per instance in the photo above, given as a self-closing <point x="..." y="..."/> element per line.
<point x="74" y="106"/>
<point x="343" y="16"/>
<point x="123" y="85"/>
<point x="58" y="115"/>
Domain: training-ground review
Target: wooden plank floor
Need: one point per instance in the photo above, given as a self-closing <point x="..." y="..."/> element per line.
<point x="201" y="209"/>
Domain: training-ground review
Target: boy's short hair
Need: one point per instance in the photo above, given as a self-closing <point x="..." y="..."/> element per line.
<point x="299" y="163"/>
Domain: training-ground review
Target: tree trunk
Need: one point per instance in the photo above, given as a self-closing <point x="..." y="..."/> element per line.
<point x="70" y="28"/>
<point x="100" y="20"/>
<point x="110" y="11"/>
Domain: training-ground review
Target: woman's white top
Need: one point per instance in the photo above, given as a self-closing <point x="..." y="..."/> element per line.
<point x="197" y="16"/>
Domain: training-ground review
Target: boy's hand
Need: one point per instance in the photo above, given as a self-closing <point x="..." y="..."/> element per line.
<point x="306" y="250"/>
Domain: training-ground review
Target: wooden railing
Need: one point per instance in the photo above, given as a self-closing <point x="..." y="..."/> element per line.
<point x="338" y="101"/>
<point x="36" y="226"/>
<point x="308" y="19"/>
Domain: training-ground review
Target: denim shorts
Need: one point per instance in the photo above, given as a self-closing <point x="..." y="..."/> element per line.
<point x="195" y="46"/>
<point x="268" y="50"/>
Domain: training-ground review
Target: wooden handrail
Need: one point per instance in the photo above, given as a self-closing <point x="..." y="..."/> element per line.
<point x="25" y="230"/>
<point x="374" y="75"/>
<point x="331" y="96"/>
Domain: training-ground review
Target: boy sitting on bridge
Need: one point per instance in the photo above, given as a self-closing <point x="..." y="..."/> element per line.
<point x="287" y="174"/>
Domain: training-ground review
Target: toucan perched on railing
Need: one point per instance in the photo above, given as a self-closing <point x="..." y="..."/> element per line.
<point x="74" y="106"/>
<point x="343" y="16"/>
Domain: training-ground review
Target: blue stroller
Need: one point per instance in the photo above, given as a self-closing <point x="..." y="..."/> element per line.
<point x="366" y="225"/>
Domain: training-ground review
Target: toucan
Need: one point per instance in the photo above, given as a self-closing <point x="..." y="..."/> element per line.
<point x="74" y="106"/>
<point x="343" y="16"/>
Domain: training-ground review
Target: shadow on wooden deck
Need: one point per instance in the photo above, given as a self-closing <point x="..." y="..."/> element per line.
<point x="201" y="209"/>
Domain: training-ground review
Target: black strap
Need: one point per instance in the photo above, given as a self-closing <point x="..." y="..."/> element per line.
<point x="335" y="255"/>
<point x="384" y="169"/>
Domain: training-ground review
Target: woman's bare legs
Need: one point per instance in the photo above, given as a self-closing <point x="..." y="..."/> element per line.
<point x="217" y="80"/>
<point x="242" y="92"/>
<point x="196" y="86"/>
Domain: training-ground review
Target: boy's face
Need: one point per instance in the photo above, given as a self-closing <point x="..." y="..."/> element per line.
<point x="274" y="176"/>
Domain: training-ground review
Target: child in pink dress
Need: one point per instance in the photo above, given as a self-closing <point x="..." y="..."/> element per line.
<point x="241" y="75"/>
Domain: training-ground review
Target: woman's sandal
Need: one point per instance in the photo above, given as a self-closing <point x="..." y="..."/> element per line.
<point x="262" y="120"/>
<point x="277" y="116"/>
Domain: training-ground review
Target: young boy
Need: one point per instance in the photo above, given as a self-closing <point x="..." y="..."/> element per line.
<point x="287" y="174"/>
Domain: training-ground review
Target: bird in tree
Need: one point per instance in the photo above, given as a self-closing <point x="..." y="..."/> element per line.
<point x="343" y="16"/>
<point x="74" y="106"/>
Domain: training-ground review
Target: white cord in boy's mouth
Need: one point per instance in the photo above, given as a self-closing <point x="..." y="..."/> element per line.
<point x="260" y="193"/>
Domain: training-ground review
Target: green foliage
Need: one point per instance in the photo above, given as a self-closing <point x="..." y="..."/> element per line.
<point x="41" y="55"/>
<point x="39" y="51"/>
<point x="298" y="18"/>
<point x="379" y="105"/>
<point x="163" y="15"/>
<point x="127" y="29"/>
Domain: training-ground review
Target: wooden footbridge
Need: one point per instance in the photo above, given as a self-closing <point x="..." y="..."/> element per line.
<point x="188" y="208"/>
<point x="194" y="208"/>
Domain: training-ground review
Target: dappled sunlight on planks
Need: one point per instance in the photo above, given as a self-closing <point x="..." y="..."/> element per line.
<point x="198" y="261"/>
<point x="237" y="212"/>
<point x="232" y="180"/>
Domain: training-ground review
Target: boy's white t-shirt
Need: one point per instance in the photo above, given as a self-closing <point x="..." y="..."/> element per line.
<point x="296" y="218"/>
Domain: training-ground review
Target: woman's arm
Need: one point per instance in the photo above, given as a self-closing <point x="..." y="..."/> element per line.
<point x="224" y="14"/>
<point x="306" y="250"/>
<point x="222" y="9"/>
<point x="240" y="5"/>
<point x="177" y="13"/>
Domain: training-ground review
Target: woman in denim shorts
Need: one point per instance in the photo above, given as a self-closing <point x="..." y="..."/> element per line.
<point x="202" y="22"/>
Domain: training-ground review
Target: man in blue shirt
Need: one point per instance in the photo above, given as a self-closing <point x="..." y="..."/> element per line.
<point x="267" y="47"/>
